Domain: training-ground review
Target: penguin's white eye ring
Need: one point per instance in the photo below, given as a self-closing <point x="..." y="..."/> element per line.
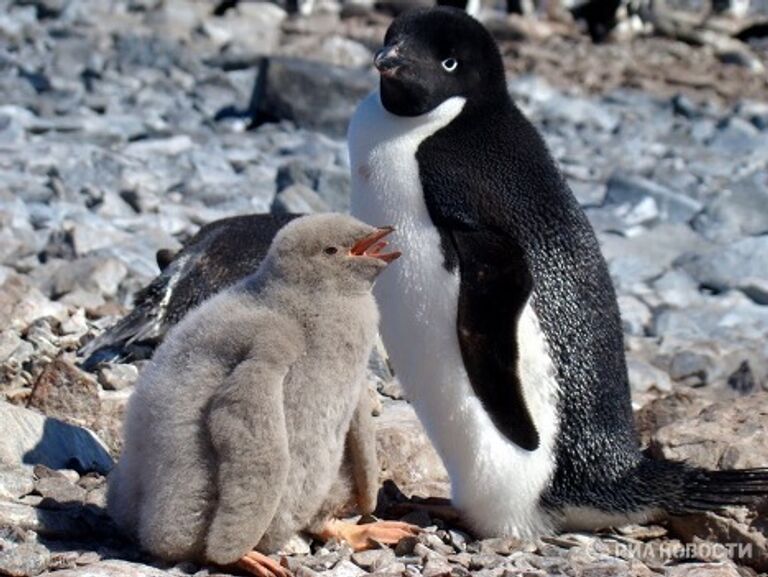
<point x="331" y="250"/>
<point x="450" y="64"/>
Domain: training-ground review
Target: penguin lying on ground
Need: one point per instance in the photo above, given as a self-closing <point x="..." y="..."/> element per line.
<point x="501" y="320"/>
<point x="235" y="433"/>
<point x="219" y="255"/>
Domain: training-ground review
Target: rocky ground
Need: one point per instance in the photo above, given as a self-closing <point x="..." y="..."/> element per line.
<point x="126" y="124"/>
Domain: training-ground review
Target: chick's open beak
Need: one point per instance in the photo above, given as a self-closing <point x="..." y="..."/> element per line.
<point x="373" y="245"/>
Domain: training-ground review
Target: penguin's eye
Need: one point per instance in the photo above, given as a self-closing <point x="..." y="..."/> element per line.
<point x="450" y="64"/>
<point x="331" y="250"/>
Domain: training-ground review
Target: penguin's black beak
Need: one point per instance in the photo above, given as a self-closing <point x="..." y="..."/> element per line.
<point x="372" y="245"/>
<point x="388" y="60"/>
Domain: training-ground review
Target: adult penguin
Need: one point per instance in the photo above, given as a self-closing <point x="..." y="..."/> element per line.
<point x="501" y="319"/>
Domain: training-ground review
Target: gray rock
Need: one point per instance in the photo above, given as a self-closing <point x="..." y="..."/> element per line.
<point x="588" y="193"/>
<point x="15" y="482"/>
<point x="724" y="267"/>
<point x="737" y="136"/>
<point x="755" y="288"/>
<point x="719" y="435"/>
<point x="644" y="376"/>
<point x="313" y="95"/>
<point x="374" y="559"/>
<point x="23" y="560"/>
<point x="29" y="438"/>
<point x="672" y="206"/>
<point x="60" y="490"/>
<point x="579" y="112"/>
<point x="689" y="365"/>
<point x="740" y="209"/>
<point x="335" y="50"/>
<point x="635" y="315"/>
<point x="648" y="255"/>
<point x="21" y="303"/>
<point x="12" y="346"/>
<point x="677" y="288"/>
<point x="95" y="274"/>
<point x="298" y="199"/>
<point x="251" y="27"/>
<point x="113" y="568"/>
<point x="729" y="316"/>
<point x="117" y="377"/>
<point x="63" y="523"/>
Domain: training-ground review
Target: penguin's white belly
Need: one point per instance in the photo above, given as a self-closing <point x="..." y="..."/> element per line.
<point x="495" y="483"/>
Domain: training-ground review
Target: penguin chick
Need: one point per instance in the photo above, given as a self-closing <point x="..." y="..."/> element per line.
<point x="236" y="430"/>
<point x="501" y="320"/>
<point x="220" y="254"/>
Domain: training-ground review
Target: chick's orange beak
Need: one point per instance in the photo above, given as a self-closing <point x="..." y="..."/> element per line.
<point x="373" y="245"/>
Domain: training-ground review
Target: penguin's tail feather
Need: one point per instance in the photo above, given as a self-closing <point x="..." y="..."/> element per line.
<point x="142" y="323"/>
<point x="705" y="490"/>
<point x="145" y="323"/>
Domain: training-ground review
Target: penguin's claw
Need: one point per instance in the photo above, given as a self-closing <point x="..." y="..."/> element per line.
<point x="368" y="536"/>
<point x="260" y="565"/>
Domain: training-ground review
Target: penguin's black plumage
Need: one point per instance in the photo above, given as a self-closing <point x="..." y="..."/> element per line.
<point x="221" y="253"/>
<point x="501" y="319"/>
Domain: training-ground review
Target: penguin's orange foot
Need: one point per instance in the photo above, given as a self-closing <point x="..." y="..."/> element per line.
<point x="368" y="536"/>
<point x="261" y="566"/>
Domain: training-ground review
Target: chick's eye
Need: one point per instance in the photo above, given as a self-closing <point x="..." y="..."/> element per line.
<point x="450" y="64"/>
<point x="331" y="250"/>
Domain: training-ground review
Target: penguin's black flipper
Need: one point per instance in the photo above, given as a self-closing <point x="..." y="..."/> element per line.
<point x="221" y="253"/>
<point x="495" y="287"/>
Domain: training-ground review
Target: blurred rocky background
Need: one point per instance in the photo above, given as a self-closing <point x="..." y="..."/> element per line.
<point x="127" y="124"/>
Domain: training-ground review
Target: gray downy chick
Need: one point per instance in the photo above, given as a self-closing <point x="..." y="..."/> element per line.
<point x="236" y="431"/>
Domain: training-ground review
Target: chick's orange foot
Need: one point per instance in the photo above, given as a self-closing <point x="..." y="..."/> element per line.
<point x="369" y="535"/>
<point x="260" y="565"/>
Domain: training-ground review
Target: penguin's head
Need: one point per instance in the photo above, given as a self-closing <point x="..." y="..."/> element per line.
<point x="433" y="54"/>
<point x="331" y="250"/>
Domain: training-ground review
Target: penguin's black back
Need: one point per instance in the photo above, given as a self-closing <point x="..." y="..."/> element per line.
<point x="220" y="254"/>
<point x="492" y="188"/>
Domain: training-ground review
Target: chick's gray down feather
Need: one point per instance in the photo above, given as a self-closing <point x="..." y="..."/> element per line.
<point x="236" y="432"/>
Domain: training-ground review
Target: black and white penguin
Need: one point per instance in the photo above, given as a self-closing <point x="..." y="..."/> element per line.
<point x="501" y="320"/>
<point x="220" y="254"/>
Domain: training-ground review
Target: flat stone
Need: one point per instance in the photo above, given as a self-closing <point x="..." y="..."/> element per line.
<point x="112" y="568"/>
<point x="722" y="267"/>
<point x="60" y="490"/>
<point x="755" y="288"/>
<point x="739" y="209"/>
<point x="636" y="260"/>
<point x="635" y="315"/>
<point x="24" y="560"/>
<point x="61" y="523"/>
<point x="15" y="482"/>
<point x="116" y="377"/>
<point x="21" y="303"/>
<point x="644" y="376"/>
<point x="729" y="434"/>
<point x="672" y="206"/>
<point x="298" y="199"/>
<point x="702" y="570"/>
<point x="29" y="438"/>
<point x="373" y="559"/>
<point x="64" y="391"/>
<point x="314" y="95"/>
<point x="336" y="50"/>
